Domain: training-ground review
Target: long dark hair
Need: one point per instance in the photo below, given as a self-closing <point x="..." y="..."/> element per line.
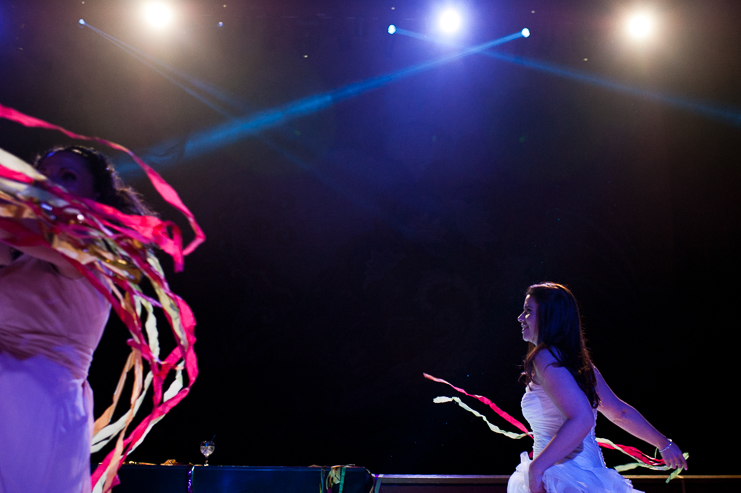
<point x="560" y="332"/>
<point x="109" y="186"/>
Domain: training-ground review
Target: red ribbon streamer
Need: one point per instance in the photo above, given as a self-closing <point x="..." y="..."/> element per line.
<point x="486" y="401"/>
<point x="165" y="190"/>
<point x="632" y="451"/>
<point x="121" y="228"/>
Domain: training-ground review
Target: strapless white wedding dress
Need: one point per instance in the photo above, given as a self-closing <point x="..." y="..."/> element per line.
<point x="582" y="471"/>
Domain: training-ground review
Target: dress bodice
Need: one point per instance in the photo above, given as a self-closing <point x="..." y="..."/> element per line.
<point x="545" y="420"/>
<point x="582" y="471"/>
<point x="43" y="313"/>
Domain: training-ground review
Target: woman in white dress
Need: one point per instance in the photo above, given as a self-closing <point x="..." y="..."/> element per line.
<point x="564" y="392"/>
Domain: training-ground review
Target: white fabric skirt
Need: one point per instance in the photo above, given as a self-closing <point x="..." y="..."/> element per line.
<point x="45" y="427"/>
<point x="569" y="477"/>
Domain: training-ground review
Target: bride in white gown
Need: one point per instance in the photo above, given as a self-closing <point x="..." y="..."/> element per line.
<point x="564" y="392"/>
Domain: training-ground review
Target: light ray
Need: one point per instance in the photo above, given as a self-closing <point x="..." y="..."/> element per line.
<point x="701" y="108"/>
<point x="233" y="131"/>
<point x="159" y="154"/>
<point x="704" y="109"/>
<point x="253" y="125"/>
<point x="158" y="67"/>
<point x="239" y="128"/>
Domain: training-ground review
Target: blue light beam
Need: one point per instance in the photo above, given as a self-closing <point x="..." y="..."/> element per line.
<point x="450" y="21"/>
<point x="233" y="131"/>
<point x="236" y="129"/>
<point x="705" y="109"/>
<point x="252" y="125"/>
<point x="158" y="67"/>
<point x="154" y="155"/>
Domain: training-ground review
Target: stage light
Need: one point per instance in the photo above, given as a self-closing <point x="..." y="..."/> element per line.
<point x="526" y="33"/>
<point x="158" y="15"/>
<point x="81" y="22"/>
<point x="640" y="25"/>
<point x="392" y="29"/>
<point x="450" y="21"/>
<point x="221" y="24"/>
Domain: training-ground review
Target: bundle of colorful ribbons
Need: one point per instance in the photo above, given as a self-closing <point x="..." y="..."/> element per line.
<point x="640" y="459"/>
<point x="114" y="251"/>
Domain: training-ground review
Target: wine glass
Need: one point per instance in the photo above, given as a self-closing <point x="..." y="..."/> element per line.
<point x="207" y="448"/>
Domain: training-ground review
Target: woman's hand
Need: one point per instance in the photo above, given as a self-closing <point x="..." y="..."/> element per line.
<point x="673" y="457"/>
<point x="535" y="480"/>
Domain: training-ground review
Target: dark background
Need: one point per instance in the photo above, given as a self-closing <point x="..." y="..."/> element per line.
<point x="394" y="233"/>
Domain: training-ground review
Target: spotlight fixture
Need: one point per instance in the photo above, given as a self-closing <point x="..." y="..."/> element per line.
<point x="392" y="29"/>
<point x="450" y="21"/>
<point x="526" y="33"/>
<point x="640" y="25"/>
<point x="158" y="15"/>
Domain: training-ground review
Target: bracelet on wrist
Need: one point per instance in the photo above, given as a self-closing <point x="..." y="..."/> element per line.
<point x="667" y="446"/>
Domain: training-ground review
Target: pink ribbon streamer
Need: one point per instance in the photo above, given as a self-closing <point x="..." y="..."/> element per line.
<point x="146" y="230"/>
<point x="165" y="190"/>
<point x="486" y="401"/>
<point x="632" y="451"/>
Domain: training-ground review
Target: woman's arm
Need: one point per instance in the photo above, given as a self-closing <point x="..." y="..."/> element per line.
<point x="628" y="418"/>
<point x="565" y="393"/>
<point x="41" y="252"/>
<point x="6" y="256"/>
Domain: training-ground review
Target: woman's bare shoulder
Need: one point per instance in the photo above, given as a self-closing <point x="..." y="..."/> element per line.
<point x="543" y="359"/>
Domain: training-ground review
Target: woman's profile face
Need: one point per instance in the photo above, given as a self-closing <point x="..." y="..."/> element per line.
<point x="528" y="320"/>
<point x="70" y="171"/>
